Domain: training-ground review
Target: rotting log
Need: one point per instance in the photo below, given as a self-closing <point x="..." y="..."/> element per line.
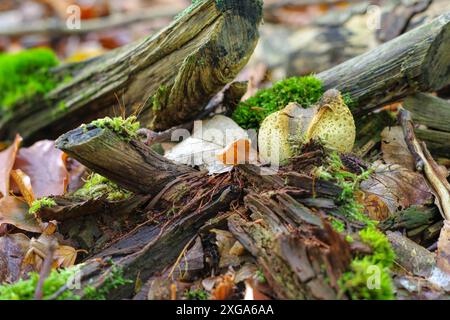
<point x="301" y="256"/>
<point x="149" y="250"/>
<point x="171" y="75"/>
<point x="130" y="164"/>
<point x="416" y="61"/>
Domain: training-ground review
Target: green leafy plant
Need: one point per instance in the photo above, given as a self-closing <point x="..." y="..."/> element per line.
<point x="25" y="74"/>
<point x="303" y="90"/>
<point x="44" y="202"/>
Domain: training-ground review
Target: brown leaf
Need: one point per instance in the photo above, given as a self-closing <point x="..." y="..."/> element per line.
<point x="65" y="256"/>
<point x="374" y="207"/>
<point x="398" y="187"/>
<point x="24" y="183"/>
<point x="7" y="159"/>
<point x="12" y="250"/>
<point x="14" y="211"/>
<point x="394" y="148"/>
<point x="46" y="167"/>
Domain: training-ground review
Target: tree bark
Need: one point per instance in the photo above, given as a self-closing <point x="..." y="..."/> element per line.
<point x="170" y="77"/>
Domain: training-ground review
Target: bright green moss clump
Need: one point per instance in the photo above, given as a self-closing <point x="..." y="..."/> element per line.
<point x="25" y="74"/>
<point x="41" y="203"/>
<point x="369" y="277"/>
<point x="25" y="289"/>
<point x="302" y="90"/>
<point x="98" y="186"/>
<point x="126" y="128"/>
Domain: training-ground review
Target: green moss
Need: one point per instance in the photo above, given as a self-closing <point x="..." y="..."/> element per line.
<point x="364" y="271"/>
<point x="355" y="282"/>
<point x="337" y="225"/>
<point x="198" y="294"/>
<point x="126" y="128"/>
<point x="25" y="74"/>
<point x="349" y="182"/>
<point x="382" y="250"/>
<point x="159" y="99"/>
<point x="97" y="186"/>
<point x="369" y="276"/>
<point x="44" y="202"/>
<point x="302" y="90"/>
<point x="260" y="276"/>
<point x="113" y="281"/>
<point x="25" y="289"/>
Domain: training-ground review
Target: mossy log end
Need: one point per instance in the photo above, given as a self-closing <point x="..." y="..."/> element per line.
<point x="171" y="75"/>
<point x="416" y="61"/>
<point x="132" y="165"/>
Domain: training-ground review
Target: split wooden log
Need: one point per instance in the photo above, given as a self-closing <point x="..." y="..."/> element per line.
<point x="416" y="61"/>
<point x="171" y="76"/>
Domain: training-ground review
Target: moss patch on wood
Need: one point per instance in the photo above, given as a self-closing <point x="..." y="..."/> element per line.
<point x="98" y="186"/>
<point x="25" y="74"/>
<point x="125" y="127"/>
<point x="305" y="91"/>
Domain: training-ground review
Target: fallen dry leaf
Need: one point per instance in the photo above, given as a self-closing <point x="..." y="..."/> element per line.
<point x="12" y="251"/>
<point x="24" y="183"/>
<point x="398" y="187"/>
<point x="46" y="167"/>
<point x="7" y="159"/>
<point x="15" y="211"/>
<point x="394" y="148"/>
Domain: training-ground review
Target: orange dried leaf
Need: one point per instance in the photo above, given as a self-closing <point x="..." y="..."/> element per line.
<point x="237" y="152"/>
<point x="24" y="183"/>
<point x="224" y="289"/>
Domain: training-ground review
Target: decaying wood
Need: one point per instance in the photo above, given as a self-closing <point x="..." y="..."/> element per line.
<point x="296" y="259"/>
<point x="171" y="75"/>
<point x="416" y="61"/>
